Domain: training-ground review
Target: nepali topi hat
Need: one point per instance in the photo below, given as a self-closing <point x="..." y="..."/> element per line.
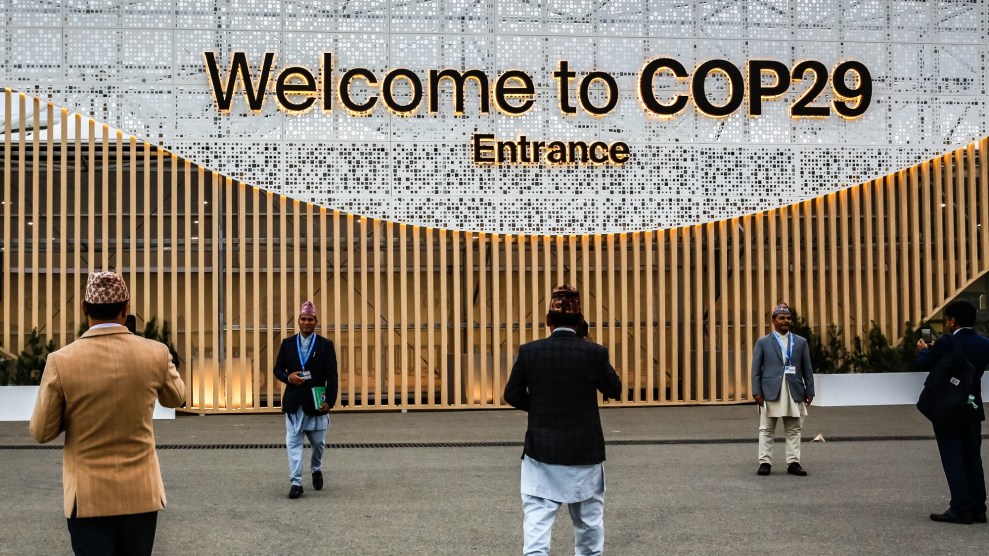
<point x="106" y="287"/>
<point x="565" y="299"/>
<point x="781" y="309"/>
<point x="308" y="308"/>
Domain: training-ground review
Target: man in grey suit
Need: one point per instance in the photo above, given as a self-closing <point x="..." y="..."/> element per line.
<point x="778" y="356"/>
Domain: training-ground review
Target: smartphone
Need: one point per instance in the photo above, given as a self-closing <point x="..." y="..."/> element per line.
<point x="925" y="335"/>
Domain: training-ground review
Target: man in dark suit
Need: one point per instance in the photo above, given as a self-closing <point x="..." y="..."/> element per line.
<point x="960" y="443"/>
<point x="306" y="361"/>
<point x="556" y="380"/>
<point x="783" y="386"/>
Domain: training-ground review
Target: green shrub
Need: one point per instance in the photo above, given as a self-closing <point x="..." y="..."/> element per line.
<point x="26" y="368"/>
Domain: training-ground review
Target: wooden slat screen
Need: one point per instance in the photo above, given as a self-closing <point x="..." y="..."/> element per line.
<point x="431" y="318"/>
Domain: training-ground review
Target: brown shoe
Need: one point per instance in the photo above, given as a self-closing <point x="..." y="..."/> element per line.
<point x="795" y="469"/>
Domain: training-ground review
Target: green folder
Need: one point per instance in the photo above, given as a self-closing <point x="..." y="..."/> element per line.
<point x="319" y="395"/>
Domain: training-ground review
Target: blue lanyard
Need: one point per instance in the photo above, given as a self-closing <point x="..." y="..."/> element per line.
<point x="298" y="344"/>
<point x="788" y="350"/>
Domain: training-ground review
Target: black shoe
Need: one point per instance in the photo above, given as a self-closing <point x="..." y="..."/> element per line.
<point x="295" y="492"/>
<point x="949" y="516"/>
<point x="317" y="480"/>
<point x="979" y="517"/>
<point x="764" y="469"/>
<point x="795" y="469"/>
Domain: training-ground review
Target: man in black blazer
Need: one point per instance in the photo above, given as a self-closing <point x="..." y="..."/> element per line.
<point x="960" y="444"/>
<point x="306" y="361"/>
<point x="557" y="380"/>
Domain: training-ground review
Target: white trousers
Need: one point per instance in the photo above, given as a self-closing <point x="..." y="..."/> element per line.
<point x="767" y="429"/>
<point x="588" y="525"/>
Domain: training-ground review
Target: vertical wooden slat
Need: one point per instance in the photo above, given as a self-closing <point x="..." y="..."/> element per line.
<point x="821" y="285"/>
<point x="621" y="314"/>
<point x="104" y="261"/>
<point x="417" y="359"/>
<point x="971" y="202"/>
<point x="846" y="274"/>
<point x="857" y="246"/>
<point x="393" y="338"/>
<point x="833" y="286"/>
<point x="338" y="337"/>
<point x="638" y="363"/>
<point x="880" y="316"/>
<point x="912" y="237"/>
<point x="321" y="243"/>
<point x="351" y="315"/>
<point x="468" y="273"/>
<point x="938" y="233"/>
<point x="444" y="308"/>
<point x="470" y="318"/>
<point x="132" y="187"/>
<point x="807" y="277"/>
<point x="457" y="332"/>
<point x="430" y="320"/>
<point x="511" y="316"/>
<point x="896" y="293"/>
<point x="32" y="271"/>
<point x="50" y="214"/>
<point x="722" y="326"/>
<point x="870" y="296"/>
<point x="376" y="297"/>
<point x="6" y="244"/>
<point x="63" y="228"/>
<point x="534" y="286"/>
<point x="984" y="200"/>
<point x="699" y="366"/>
<point x="362" y="313"/>
<point x="751" y="299"/>
<point x="482" y="304"/>
<point x="612" y="242"/>
<point x="736" y="305"/>
<point x="675" y="328"/>
<point x="523" y="278"/>
<point x="773" y="247"/>
<point x="950" y="226"/>
<point x="650" y="294"/>
<point x="661" y="295"/>
<point x="496" y="318"/>
<point x="256" y="290"/>
<point x="207" y="191"/>
<point x="406" y="297"/>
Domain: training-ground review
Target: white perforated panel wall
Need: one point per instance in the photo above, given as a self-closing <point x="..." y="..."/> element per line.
<point x="138" y="66"/>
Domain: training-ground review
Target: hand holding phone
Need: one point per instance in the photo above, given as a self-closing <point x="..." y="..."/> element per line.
<point x="925" y="335"/>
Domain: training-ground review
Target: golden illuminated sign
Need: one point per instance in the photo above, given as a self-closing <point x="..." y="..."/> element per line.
<point x="402" y="92"/>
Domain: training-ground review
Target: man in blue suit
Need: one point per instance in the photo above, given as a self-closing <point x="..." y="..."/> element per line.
<point x="306" y="360"/>
<point x="960" y="443"/>
<point x="782" y="359"/>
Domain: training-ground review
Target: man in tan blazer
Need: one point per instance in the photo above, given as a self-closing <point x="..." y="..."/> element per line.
<point x="101" y="390"/>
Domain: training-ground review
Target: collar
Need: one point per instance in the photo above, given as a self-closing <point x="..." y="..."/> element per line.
<point x="564" y="330"/>
<point x="969" y="328"/>
<point x="104" y="325"/>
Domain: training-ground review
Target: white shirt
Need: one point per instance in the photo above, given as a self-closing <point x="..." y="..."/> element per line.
<point x="562" y="483"/>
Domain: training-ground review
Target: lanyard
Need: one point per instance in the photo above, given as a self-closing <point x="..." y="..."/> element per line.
<point x="298" y="344"/>
<point x="788" y="350"/>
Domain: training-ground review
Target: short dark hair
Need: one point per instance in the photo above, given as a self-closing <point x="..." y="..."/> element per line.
<point x="558" y="319"/>
<point x="104" y="311"/>
<point x="962" y="311"/>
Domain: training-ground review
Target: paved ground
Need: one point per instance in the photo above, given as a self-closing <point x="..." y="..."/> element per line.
<point x="680" y="481"/>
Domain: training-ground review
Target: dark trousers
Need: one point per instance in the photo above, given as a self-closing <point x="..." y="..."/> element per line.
<point x="115" y="535"/>
<point x="960" y="447"/>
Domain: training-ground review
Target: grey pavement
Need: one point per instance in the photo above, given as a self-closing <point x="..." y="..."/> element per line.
<point x="681" y="480"/>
